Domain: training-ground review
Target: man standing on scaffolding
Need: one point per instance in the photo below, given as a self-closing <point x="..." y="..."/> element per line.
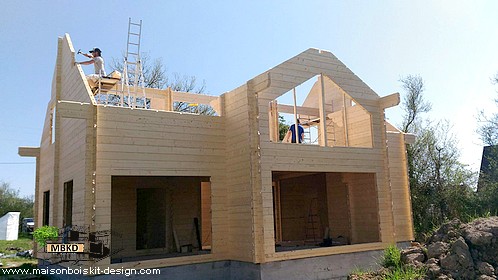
<point x="98" y="63"/>
<point x="300" y="131"/>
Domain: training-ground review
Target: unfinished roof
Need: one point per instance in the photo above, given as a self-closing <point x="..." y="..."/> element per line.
<point x="310" y="63"/>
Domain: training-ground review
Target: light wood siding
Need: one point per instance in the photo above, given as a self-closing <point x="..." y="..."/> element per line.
<point x="46" y="168"/>
<point x="400" y="189"/>
<point x="359" y="127"/>
<point x="303" y="203"/>
<point x="149" y="143"/>
<point x="338" y="206"/>
<point x="364" y="208"/>
<point x="73" y="167"/>
<point x="74" y="86"/>
<point x="241" y="246"/>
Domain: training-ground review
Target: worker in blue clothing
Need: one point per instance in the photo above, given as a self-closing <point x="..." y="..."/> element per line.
<point x="300" y="130"/>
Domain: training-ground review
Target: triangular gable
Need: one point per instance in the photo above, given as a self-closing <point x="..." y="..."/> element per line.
<point x="312" y="62"/>
<point x="333" y="96"/>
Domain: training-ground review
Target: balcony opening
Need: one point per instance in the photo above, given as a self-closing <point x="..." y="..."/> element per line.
<point x="345" y="122"/>
<point x="321" y="209"/>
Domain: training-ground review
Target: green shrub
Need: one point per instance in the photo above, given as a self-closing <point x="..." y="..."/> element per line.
<point x="44" y="233"/>
<point x="392" y="257"/>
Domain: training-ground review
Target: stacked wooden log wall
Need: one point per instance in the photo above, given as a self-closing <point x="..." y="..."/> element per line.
<point x="293" y="157"/>
<point x="398" y="171"/>
<point x="149" y="143"/>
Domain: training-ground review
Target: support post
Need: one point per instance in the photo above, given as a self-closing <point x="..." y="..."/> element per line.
<point x="345" y="120"/>
<point x="296" y="128"/>
<point x="169" y="100"/>
<point x="323" y="114"/>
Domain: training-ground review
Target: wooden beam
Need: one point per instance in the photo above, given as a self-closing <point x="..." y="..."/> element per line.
<point x="322" y="114"/>
<point x="192" y="97"/>
<point x="74" y="110"/>
<point x="260" y="82"/>
<point x="308" y="111"/>
<point x="29" y="151"/>
<point x="389" y="101"/>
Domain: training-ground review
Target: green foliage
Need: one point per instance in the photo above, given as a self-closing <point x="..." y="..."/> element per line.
<point x="282" y="128"/>
<point x="44" y="233"/>
<point x="10" y="201"/>
<point x="395" y="269"/>
<point x="392" y="257"/>
<point x="488" y="124"/>
<point x="405" y="273"/>
<point x="21" y="243"/>
<point x="441" y="186"/>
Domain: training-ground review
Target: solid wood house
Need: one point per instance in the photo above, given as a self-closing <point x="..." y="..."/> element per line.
<point x="177" y="188"/>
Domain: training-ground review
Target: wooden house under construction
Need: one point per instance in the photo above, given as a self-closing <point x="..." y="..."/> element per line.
<point x="179" y="188"/>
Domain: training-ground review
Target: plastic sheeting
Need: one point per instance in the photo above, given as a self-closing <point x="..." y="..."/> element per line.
<point x="9" y="226"/>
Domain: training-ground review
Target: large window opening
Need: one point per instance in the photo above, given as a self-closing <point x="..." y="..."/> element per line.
<point x="324" y="209"/>
<point x="46" y="208"/>
<point x="160" y="217"/>
<point x="327" y="114"/>
<point x="67" y="218"/>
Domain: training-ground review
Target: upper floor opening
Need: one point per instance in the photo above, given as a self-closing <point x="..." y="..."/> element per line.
<point x="324" y="113"/>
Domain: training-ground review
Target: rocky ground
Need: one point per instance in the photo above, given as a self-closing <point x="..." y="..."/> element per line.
<point x="459" y="251"/>
<point x="455" y="251"/>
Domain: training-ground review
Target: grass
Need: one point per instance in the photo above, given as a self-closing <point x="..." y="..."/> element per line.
<point x="360" y="271"/>
<point x="394" y="268"/>
<point x="404" y="273"/>
<point x="23" y="243"/>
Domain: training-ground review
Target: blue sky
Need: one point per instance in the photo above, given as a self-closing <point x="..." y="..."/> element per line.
<point x="451" y="44"/>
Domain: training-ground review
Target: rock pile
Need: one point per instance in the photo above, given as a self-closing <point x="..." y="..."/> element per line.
<point x="459" y="251"/>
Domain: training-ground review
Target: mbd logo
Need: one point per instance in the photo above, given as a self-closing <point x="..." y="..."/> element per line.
<point x="65" y="248"/>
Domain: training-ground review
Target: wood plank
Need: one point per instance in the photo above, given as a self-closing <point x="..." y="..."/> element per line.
<point x="389" y="101"/>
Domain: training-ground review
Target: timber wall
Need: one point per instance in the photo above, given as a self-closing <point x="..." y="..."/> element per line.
<point x="398" y="171"/>
<point x="149" y="143"/>
<point x="238" y="170"/>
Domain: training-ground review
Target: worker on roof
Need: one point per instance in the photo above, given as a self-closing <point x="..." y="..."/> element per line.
<point x="95" y="59"/>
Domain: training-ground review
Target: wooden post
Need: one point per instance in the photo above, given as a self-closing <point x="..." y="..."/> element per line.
<point x="273" y="116"/>
<point x="296" y="128"/>
<point x="323" y="114"/>
<point x="169" y="100"/>
<point x="345" y="120"/>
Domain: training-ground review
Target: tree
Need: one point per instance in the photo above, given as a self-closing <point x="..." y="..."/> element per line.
<point x="11" y="201"/>
<point x="414" y="103"/>
<point x="488" y="128"/>
<point x="155" y="77"/>
<point x="439" y="182"/>
<point x="488" y="178"/>
<point x="282" y="128"/>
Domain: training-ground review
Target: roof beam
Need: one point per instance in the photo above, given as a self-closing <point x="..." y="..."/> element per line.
<point x="29" y="151"/>
<point x="389" y="101"/>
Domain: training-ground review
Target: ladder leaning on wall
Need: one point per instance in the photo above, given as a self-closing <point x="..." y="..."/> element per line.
<point x="133" y="81"/>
